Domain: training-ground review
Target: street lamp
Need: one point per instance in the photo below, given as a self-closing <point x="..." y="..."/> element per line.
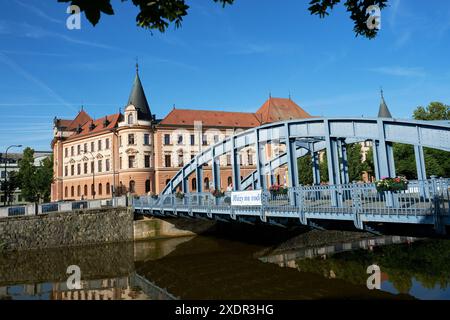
<point x="93" y="173"/>
<point x="6" y="160"/>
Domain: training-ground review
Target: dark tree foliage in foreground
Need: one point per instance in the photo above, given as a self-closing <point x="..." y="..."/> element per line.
<point x="159" y="14"/>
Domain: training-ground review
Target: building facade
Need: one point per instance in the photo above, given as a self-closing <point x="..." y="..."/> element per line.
<point x="133" y="152"/>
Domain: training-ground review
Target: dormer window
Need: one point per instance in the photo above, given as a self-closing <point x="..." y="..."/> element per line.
<point x="106" y="122"/>
<point x="92" y="126"/>
<point x="130" y="119"/>
<point x="79" y="129"/>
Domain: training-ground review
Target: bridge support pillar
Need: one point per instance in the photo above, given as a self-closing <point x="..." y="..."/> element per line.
<point x="216" y="172"/>
<point x="184" y="182"/>
<point x="235" y="166"/>
<point x="292" y="166"/>
<point x="344" y="162"/>
<point x="421" y="169"/>
<point x="260" y="161"/>
<point x="315" y="166"/>
<point x="199" y="177"/>
<point x="334" y="176"/>
<point x="383" y="159"/>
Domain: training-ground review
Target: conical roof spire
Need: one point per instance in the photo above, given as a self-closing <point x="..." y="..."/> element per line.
<point x="383" y="112"/>
<point x="137" y="98"/>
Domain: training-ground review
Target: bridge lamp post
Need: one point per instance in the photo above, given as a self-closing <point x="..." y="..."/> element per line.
<point x="6" y="161"/>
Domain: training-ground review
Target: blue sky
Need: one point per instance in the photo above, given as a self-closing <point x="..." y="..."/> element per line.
<point x="224" y="59"/>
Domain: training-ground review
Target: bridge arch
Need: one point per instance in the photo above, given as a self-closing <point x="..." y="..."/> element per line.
<point x="329" y="134"/>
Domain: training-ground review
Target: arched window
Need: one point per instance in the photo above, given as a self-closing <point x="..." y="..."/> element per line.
<point x="108" y="188"/>
<point x="85" y="190"/>
<point x="167" y="181"/>
<point x="130" y="118"/>
<point x="100" y="189"/>
<point x="278" y="179"/>
<point x="66" y="192"/>
<point x="72" y="191"/>
<point x="206" y="183"/>
<point x="132" y="186"/>
<point x="78" y="191"/>
<point x="229" y="181"/>
<point x="147" y="185"/>
<point x="92" y="190"/>
<point x="194" y="184"/>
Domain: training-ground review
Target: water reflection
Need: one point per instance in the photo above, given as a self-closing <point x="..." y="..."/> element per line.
<point x="327" y="267"/>
<point x="420" y="268"/>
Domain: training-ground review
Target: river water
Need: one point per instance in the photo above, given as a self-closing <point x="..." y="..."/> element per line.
<point x="236" y="265"/>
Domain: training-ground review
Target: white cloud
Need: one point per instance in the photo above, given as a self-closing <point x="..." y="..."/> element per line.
<point x="400" y="71"/>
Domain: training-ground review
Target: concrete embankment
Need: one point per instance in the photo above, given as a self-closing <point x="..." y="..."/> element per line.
<point x="90" y="227"/>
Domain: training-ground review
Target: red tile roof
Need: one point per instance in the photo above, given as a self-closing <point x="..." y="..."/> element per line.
<point x="98" y="126"/>
<point x="211" y="118"/>
<point x="278" y="109"/>
<point x="273" y="110"/>
<point x="81" y="119"/>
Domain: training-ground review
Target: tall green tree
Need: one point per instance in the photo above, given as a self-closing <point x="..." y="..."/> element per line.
<point x="434" y="111"/>
<point x="323" y="168"/>
<point x="436" y="161"/>
<point x="159" y="14"/>
<point x="305" y="175"/>
<point x="10" y="185"/>
<point x="35" y="181"/>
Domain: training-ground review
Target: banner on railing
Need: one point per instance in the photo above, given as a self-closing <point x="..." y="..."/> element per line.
<point x="246" y="198"/>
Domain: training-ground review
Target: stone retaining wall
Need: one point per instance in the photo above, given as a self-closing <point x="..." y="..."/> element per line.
<point x="80" y="227"/>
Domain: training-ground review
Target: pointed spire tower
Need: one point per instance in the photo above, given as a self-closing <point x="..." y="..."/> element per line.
<point x="383" y="112"/>
<point x="137" y="98"/>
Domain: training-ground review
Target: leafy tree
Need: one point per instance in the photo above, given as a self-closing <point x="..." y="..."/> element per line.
<point x="159" y="14"/>
<point x="434" y="111"/>
<point x="35" y="181"/>
<point x="323" y="168"/>
<point x="10" y="185"/>
<point x="356" y="166"/>
<point x="27" y="171"/>
<point x="436" y="161"/>
<point x="305" y="170"/>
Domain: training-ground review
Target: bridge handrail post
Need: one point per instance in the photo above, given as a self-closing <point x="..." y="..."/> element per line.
<point x="436" y="205"/>
<point x="356" y="198"/>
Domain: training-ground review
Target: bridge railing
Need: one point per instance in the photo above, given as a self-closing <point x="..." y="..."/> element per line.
<point x="421" y="198"/>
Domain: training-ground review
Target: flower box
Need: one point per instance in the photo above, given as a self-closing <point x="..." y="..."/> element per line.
<point x="391" y="184"/>
<point x="276" y="189"/>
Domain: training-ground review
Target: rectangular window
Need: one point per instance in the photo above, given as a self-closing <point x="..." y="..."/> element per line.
<point x="71" y="151"/>
<point x="192" y="156"/>
<point x="92" y="166"/>
<point x="228" y="159"/>
<point x="120" y="141"/>
<point x="92" y="146"/>
<point x="85" y="168"/>
<point x="131" y="139"/>
<point x="216" y="138"/>
<point x="66" y="152"/>
<point x="147" y="161"/>
<point x="78" y="169"/>
<point x="146" y="139"/>
<point x="192" y="139"/>
<point x="131" y="162"/>
<point x="250" y="159"/>
<point x="180" y="139"/>
<point x="167" y="139"/>
<point x="167" y="161"/>
<point x="100" y="166"/>
<point x="66" y="171"/>
<point x="78" y="149"/>
<point x="107" y="165"/>
<point x="204" y="140"/>
<point x="107" y="144"/>
<point x="99" y="145"/>
<point x="120" y="162"/>
<point x="72" y="170"/>
<point x="85" y="147"/>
